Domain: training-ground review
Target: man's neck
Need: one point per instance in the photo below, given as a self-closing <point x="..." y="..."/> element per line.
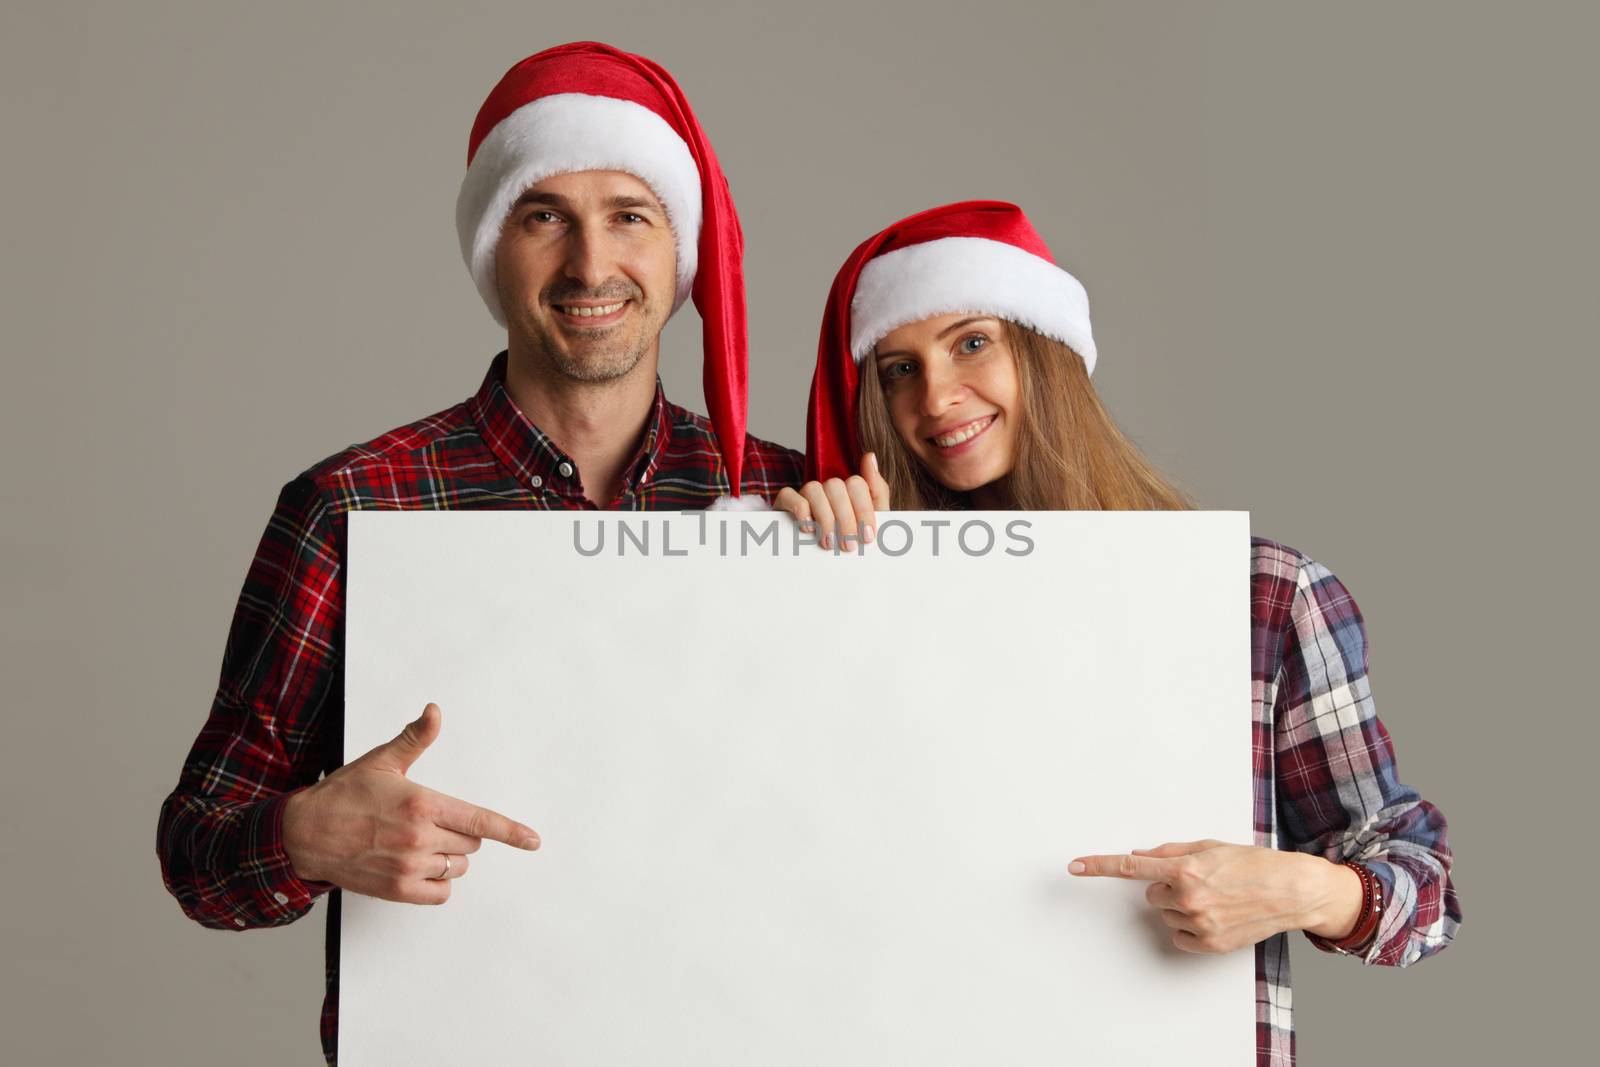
<point x="598" y="424"/>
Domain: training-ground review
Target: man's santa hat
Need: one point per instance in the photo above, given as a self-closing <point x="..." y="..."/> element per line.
<point x="588" y="106"/>
<point x="979" y="256"/>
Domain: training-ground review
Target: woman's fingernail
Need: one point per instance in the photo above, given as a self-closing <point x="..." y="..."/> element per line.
<point x="827" y="541"/>
<point x="1076" y="867"/>
<point x="872" y="458"/>
<point x="866" y="535"/>
<point x="807" y="526"/>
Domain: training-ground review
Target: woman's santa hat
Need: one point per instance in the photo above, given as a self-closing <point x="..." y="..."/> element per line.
<point x="588" y="106"/>
<point x="979" y="256"/>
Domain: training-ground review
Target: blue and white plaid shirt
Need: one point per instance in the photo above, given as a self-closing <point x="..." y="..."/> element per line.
<point x="1325" y="778"/>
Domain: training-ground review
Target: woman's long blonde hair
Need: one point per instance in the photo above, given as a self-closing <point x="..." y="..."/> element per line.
<point x="1070" y="454"/>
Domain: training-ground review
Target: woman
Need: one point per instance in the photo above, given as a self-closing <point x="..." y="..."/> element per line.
<point x="953" y="372"/>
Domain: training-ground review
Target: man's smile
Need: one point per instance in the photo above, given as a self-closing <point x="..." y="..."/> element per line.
<point x="590" y="314"/>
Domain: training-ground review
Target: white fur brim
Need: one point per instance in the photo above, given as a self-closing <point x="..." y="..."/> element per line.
<point x="563" y="134"/>
<point x="974" y="275"/>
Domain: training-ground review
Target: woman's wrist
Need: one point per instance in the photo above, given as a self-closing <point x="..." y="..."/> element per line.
<point x="1336" y="900"/>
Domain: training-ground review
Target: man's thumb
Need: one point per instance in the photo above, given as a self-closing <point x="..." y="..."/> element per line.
<point x="412" y="742"/>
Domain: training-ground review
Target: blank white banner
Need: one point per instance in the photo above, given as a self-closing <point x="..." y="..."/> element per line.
<point x="801" y="808"/>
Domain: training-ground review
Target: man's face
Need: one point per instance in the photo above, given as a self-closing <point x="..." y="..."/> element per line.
<point x="586" y="272"/>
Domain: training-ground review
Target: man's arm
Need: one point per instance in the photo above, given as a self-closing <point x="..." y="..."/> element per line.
<point x="249" y="826"/>
<point x="275" y="725"/>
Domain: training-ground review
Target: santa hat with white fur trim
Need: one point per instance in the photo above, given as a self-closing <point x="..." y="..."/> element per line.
<point x="978" y="256"/>
<point x="588" y="106"/>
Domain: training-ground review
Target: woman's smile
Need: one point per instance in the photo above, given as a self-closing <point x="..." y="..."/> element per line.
<point x="962" y="438"/>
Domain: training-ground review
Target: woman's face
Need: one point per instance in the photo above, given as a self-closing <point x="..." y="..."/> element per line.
<point x="951" y="386"/>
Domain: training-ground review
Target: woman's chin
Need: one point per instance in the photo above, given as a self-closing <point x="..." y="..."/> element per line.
<point x="965" y="476"/>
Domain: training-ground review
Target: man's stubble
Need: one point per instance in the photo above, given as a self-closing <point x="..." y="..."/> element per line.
<point x="610" y="353"/>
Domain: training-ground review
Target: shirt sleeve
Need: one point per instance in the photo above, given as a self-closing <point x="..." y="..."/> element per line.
<point x="1338" y="791"/>
<point x="273" y="728"/>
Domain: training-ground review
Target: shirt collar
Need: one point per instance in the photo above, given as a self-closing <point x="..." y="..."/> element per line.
<point x="537" y="462"/>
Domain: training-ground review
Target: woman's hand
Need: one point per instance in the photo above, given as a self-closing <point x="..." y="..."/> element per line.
<point x="846" y="507"/>
<point x="1219" y="897"/>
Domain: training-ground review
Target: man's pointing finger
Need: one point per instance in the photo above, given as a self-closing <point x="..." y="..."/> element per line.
<point x="474" y="821"/>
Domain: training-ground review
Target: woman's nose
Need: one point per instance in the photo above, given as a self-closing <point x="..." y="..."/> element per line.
<point x="942" y="389"/>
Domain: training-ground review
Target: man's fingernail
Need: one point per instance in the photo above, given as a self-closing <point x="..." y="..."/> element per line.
<point x="530" y="842"/>
<point x="807" y="526"/>
<point x="827" y="540"/>
<point x="1076" y="867"/>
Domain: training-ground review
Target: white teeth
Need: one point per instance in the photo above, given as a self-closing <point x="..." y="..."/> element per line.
<point x="966" y="433"/>
<point x="591" y="312"/>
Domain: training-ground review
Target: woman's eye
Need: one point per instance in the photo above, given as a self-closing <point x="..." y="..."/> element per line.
<point x="972" y="343"/>
<point x="900" y="368"/>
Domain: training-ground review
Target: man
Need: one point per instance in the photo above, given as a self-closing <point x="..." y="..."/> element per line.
<point x="592" y="207"/>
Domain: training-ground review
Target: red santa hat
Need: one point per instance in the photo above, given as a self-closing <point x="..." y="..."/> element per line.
<point x="588" y="106"/>
<point x="978" y="256"/>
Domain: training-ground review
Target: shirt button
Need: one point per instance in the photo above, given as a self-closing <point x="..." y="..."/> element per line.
<point x="565" y="469"/>
<point x="280" y="898"/>
<point x="238" y="922"/>
<point x="537" y="481"/>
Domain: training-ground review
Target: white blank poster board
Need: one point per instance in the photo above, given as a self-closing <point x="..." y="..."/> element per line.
<point x="798" y="808"/>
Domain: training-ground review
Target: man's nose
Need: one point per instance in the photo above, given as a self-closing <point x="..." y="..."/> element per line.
<point x="588" y="260"/>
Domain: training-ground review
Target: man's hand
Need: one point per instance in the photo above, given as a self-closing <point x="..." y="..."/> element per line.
<point x="846" y="506"/>
<point x="366" y="828"/>
<point x="1219" y="897"/>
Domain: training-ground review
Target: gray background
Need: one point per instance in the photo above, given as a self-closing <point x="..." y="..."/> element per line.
<point x="1340" y="263"/>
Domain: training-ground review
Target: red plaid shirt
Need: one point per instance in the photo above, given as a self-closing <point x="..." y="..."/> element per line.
<point x="277" y="721"/>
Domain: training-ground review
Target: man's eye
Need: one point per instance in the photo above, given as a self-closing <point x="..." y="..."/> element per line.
<point x="972" y="343"/>
<point x="542" y="216"/>
<point x="629" y="216"/>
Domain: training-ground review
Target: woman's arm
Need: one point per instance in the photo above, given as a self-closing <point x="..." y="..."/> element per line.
<point x="1218" y="897"/>
<point x="1329" y="767"/>
<point x="1337" y="791"/>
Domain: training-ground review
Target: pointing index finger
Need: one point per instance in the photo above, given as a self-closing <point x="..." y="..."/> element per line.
<point x="474" y="821"/>
<point x="1139" y="868"/>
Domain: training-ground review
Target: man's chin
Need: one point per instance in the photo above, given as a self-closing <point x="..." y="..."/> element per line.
<point x="596" y="366"/>
<point x="588" y="353"/>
